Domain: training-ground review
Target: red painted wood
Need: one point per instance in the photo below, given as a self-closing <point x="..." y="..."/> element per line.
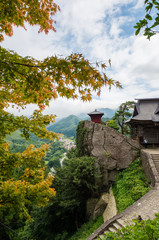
<point x="96" y="118"/>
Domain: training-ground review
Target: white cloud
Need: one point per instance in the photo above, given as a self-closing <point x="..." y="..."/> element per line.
<point x="100" y="30"/>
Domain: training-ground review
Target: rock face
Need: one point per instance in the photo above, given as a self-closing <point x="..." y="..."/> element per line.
<point x="96" y="207"/>
<point x="101" y="205"/>
<point x="106" y="205"/>
<point x="111" y="209"/>
<point x="113" y="151"/>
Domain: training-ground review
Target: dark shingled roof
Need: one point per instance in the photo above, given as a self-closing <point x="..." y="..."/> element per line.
<point x="95" y="113"/>
<point x="146" y="110"/>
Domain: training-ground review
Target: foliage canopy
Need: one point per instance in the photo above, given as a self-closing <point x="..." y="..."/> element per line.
<point x="26" y="80"/>
<point x="121" y="116"/>
<point x="74" y="183"/>
<point x="19" y="12"/>
<point x="150" y="22"/>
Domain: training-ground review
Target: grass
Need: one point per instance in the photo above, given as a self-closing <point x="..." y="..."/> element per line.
<point x="87" y="229"/>
<point x="131" y="185"/>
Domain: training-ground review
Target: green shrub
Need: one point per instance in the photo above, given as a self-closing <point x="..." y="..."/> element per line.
<point x="80" y="136"/>
<point x="131" y="185"/>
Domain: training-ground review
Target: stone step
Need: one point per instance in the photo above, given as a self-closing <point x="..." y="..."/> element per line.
<point x="157" y="163"/>
<point x="100" y="237"/>
<point x="112" y="229"/>
<point x="116" y="225"/>
<point x="120" y="222"/>
<point x="157" y="166"/>
<point x="106" y="231"/>
<point x="155" y="157"/>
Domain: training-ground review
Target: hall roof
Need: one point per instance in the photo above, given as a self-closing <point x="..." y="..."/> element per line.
<point x="146" y="109"/>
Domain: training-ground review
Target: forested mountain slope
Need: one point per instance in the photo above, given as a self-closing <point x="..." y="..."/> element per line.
<point x="66" y="126"/>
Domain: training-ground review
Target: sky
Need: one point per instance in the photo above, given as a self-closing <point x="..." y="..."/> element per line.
<point x="100" y="30"/>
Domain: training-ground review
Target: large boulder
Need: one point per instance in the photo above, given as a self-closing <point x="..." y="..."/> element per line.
<point x="113" y="151"/>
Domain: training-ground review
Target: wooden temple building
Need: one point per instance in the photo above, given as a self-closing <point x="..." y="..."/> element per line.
<point x="96" y="116"/>
<point x="145" y="121"/>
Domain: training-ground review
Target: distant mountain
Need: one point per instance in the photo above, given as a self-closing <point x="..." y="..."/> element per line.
<point x="66" y="126"/>
<point x="108" y="113"/>
<point x="83" y="116"/>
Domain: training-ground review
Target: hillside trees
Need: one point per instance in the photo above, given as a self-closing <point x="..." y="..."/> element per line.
<point x="121" y="116"/>
<point x="67" y="126"/>
<point x="23" y="184"/>
<point x="74" y="183"/>
<point x="26" y="80"/>
<point x="150" y="23"/>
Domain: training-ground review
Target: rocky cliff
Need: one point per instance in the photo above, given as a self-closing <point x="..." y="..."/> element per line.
<point x="113" y="151"/>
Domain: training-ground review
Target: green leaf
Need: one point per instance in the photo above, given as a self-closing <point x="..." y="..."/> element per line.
<point x="137" y="31"/>
<point x="149" y="7"/>
<point x="148" y="17"/>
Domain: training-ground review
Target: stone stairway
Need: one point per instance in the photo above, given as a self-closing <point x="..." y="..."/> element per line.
<point x="146" y="207"/>
<point x="114" y="226"/>
<point x="155" y="158"/>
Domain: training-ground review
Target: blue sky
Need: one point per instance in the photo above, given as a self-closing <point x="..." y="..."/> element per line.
<point x="100" y="30"/>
